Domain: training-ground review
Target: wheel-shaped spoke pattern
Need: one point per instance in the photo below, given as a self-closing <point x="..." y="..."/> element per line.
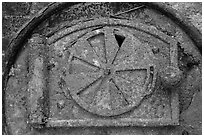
<point x="84" y="51"/>
<point x="111" y="45"/>
<point x="109" y="71"/>
<point x="98" y="44"/>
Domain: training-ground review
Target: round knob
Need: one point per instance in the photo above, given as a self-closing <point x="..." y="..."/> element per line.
<point x="171" y="76"/>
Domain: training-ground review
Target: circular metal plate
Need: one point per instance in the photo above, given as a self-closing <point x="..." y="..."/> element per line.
<point x="109" y="71"/>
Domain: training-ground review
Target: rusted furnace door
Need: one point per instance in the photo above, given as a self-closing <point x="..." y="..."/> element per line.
<point x="103" y="70"/>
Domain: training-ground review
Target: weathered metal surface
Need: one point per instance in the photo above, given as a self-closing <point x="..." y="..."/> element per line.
<point x="108" y="71"/>
<point x="100" y="90"/>
<point x="37" y="87"/>
<point x="105" y="71"/>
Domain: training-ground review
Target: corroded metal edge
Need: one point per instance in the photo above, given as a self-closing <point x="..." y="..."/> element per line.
<point x="173" y="120"/>
<point x="111" y="22"/>
<point x="122" y="122"/>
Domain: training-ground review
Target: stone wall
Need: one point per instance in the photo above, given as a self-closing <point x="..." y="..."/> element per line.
<point x="14" y="15"/>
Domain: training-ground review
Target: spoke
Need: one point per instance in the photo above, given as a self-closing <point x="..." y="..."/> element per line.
<point x="102" y="98"/>
<point x="89" y="94"/>
<point x="125" y="86"/>
<point x="118" y="95"/>
<point x="77" y="82"/>
<point x="133" y="92"/>
<point x="138" y="76"/>
<point x="132" y="56"/>
<point x="82" y="50"/>
<point x="131" y="66"/>
<point x="126" y="50"/>
<point x="89" y="88"/>
<point x="98" y="44"/>
<point x="97" y="59"/>
<point x="111" y="45"/>
<point x="131" y="70"/>
<point x="84" y="63"/>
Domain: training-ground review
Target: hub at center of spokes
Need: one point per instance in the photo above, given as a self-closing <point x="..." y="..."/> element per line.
<point x="107" y="72"/>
